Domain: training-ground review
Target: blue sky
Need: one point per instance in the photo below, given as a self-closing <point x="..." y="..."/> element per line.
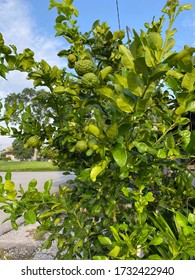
<point x="29" y="24"/>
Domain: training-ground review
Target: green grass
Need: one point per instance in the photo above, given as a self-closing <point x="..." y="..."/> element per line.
<point x="27" y="166"/>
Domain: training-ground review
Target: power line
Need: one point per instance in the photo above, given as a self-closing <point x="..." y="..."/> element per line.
<point x="117" y="7"/>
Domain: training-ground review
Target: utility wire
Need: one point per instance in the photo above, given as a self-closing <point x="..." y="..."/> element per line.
<point x="118" y="14"/>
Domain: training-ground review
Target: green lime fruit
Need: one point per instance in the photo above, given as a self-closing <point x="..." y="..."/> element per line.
<point x="71" y="65"/>
<point x="89" y="80"/>
<point x="81" y="146"/>
<point x="71" y="58"/>
<point x="84" y="66"/>
<point x="93" y="144"/>
<point x="33" y="141"/>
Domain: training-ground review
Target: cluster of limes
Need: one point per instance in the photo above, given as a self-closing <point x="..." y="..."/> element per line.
<point x="82" y="145"/>
<point x="84" y="68"/>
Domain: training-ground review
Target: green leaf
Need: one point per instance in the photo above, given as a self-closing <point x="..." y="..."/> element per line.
<point x="156" y="241"/>
<point x="143" y="104"/>
<point x="114" y="252"/>
<point x="112" y="131"/>
<point x="185" y="137"/>
<point x="115" y="234"/>
<point x="125" y="191"/>
<point x="104" y="72"/>
<point x="48" y="185"/>
<point x="100" y="258"/>
<point x="9" y="185"/>
<point x="127" y="57"/>
<point x="97" y="169"/>
<point x="149" y="196"/>
<point x="155" y="40"/>
<point x="186" y="7"/>
<point x="191" y="219"/>
<point x="182" y="121"/>
<point x="78" y="244"/>
<point x="106" y="92"/>
<point x="12" y="194"/>
<point x="174" y="74"/>
<point x="149" y="59"/>
<point x="141" y="146"/>
<point x="120" y="155"/>
<point x="8" y="175"/>
<point x="190" y="107"/>
<point x="188" y="230"/>
<point x="135" y="83"/>
<point x="125" y="103"/>
<point x="122" y="80"/>
<point x="59" y="89"/>
<point x="190" y="149"/>
<point x="188" y="81"/>
<point x="30" y="216"/>
<point x="170" y="141"/>
<point x="104" y="240"/>
<point x="169" y="45"/>
<point x="32" y="185"/>
<point x="46" y="67"/>
<point x="161" y="153"/>
<point x="181" y="220"/>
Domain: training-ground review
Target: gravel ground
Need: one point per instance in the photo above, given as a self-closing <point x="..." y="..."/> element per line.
<point x="24" y="244"/>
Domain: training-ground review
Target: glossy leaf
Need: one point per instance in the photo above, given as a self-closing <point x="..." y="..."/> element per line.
<point x="107" y="92"/>
<point x="181" y="220"/>
<point x="141" y="146"/>
<point x="104" y="72"/>
<point x="191" y="218"/>
<point x="127" y="58"/>
<point x="9" y="185"/>
<point x="30" y="216"/>
<point x="190" y="149"/>
<point x="190" y="107"/>
<point x="156" y="241"/>
<point x="155" y="40"/>
<point x="189" y="81"/>
<point x="125" y="104"/>
<point x="97" y="169"/>
<point x="112" y="131"/>
<point x="135" y="84"/>
<point x="149" y="59"/>
<point x="104" y="240"/>
<point x="120" y="155"/>
<point x="114" y="252"/>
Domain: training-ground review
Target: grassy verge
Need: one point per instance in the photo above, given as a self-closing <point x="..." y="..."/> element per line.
<point x="27" y="166"/>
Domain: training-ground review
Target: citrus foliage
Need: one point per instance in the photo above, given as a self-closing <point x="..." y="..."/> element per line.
<point x="125" y="133"/>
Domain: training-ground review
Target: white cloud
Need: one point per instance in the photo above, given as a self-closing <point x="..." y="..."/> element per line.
<point x="20" y="29"/>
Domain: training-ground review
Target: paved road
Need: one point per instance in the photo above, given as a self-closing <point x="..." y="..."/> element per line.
<point x="24" y="178"/>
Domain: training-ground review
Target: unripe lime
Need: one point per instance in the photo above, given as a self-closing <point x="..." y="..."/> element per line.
<point x="71" y="65"/>
<point x="93" y="144"/>
<point x="84" y="66"/>
<point x="81" y="146"/>
<point x="33" y="141"/>
<point x="89" y="80"/>
<point x="71" y="58"/>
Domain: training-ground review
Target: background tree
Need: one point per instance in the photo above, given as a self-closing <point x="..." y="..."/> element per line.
<point x="19" y="152"/>
<point x="29" y="97"/>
